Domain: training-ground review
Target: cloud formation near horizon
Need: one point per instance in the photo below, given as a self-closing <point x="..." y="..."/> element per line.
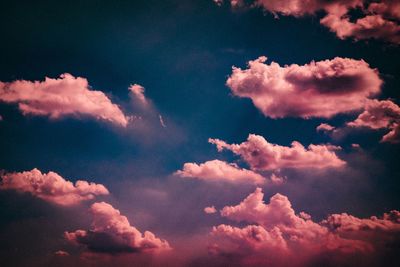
<point x="51" y="187"/>
<point x="380" y="114"/>
<point x="60" y="97"/>
<point x="111" y="232"/>
<point x="259" y="154"/>
<point x="318" y="89"/>
<point x="378" y="20"/>
<point x="217" y="171"/>
<point x="276" y="231"/>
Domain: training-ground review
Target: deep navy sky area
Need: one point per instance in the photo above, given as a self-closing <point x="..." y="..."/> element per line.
<point x="182" y="52"/>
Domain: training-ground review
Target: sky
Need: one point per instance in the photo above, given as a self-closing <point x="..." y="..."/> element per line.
<point x="200" y="133"/>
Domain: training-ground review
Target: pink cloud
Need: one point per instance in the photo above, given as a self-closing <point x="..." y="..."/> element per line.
<point x="262" y="155"/>
<point x="318" y="89"/>
<point x="65" y="96"/>
<point x="299" y="8"/>
<point x="378" y="20"/>
<point x="393" y="136"/>
<point x="248" y="239"/>
<point x="210" y="210"/>
<point x="61" y="253"/>
<point x="138" y="91"/>
<point x="324" y="127"/>
<point x="368" y="27"/>
<point x="218" y="2"/>
<point x="217" y="170"/>
<point x="277" y="179"/>
<point x="356" y="146"/>
<point x="51" y="187"/>
<point x="389" y="8"/>
<point x="374" y="230"/>
<point x="276" y="228"/>
<point x="380" y="114"/>
<point x="111" y="232"/>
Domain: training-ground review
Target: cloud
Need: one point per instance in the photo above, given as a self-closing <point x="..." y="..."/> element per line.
<point x="210" y="210"/>
<point x="324" y="127"/>
<point x="111" y="232"/>
<point x="61" y="253"/>
<point x="251" y="238"/>
<point x="51" y="187"/>
<point x="277" y="179"/>
<point x="318" y="89"/>
<point x="356" y="146"/>
<point x="377" y="231"/>
<point x="138" y="91"/>
<point x="300" y="8"/>
<point x="162" y="121"/>
<point x="368" y="27"/>
<point x="380" y="114"/>
<point x="393" y="136"/>
<point x="262" y="155"/>
<point x="276" y="229"/>
<point x="218" y="2"/>
<point x="389" y="8"/>
<point x="377" y="20"/>
<point x="217" y="170"/>
<point x="65" y="96"/>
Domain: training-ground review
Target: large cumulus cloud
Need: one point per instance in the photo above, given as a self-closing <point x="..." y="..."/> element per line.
<point x="65" y="96"/>
<point x="51" y="187"/>
<point x="262" y="155"/>
<point x="111" y="232"/>
<point x="318" y="89"/>
<point x="276" y="229"/>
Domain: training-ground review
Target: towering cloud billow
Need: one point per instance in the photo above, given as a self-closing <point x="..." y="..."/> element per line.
<point x="379" y="20"/>
<point x="384" y="114"/>
<point x="318" y="89"/>
<point x="65" y="96"/>
<point x="51" y="187"/>
<point x="138" y="91"/>
<point x="217" y="171"/>
<point x="111" y="232"/>
<point x="277" y="230"/>
<point x="262" y="155"/>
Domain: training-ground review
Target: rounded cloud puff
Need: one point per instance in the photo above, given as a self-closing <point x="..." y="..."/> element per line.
<point x="318" y="89"/>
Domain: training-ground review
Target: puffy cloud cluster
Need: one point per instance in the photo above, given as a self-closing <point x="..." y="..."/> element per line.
<point x="379" y="20"/>
<point x="262" y="155"/>
<point x="51" y="187"/>
<point x="374" y="230"/>
<point x="277" y="229"/>
<point x="111" y="232"/>
<point x="217" y="170"/>
<point x="65" y="96"/>
<point x="380" y="114"/>
<point x="318" y="89"/>
<point x="373" y="26"/>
